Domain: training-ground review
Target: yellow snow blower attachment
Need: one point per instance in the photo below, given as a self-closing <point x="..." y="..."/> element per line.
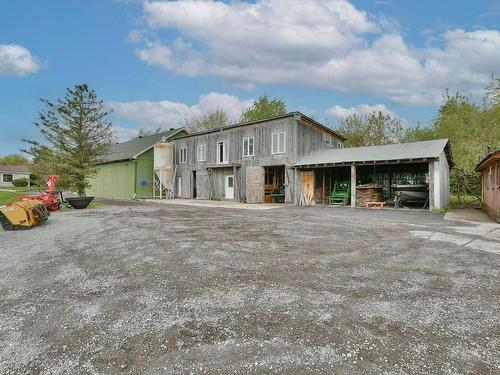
<point x="23" y="215"/>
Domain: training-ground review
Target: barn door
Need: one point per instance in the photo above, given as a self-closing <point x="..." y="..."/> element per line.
<point x="307" y="193"/>
<point x="254" y="184"/>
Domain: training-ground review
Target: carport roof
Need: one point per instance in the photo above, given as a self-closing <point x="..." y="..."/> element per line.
<point x="131" y="149"/>
<point x="392" y="153"/>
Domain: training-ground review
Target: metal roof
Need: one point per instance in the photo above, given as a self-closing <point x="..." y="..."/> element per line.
<point x="290" y="114"/>
<point x="373" y="154"/>
<point x="131" y="149"/>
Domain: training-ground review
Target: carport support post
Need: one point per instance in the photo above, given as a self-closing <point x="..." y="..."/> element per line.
<point x="353" y="185"/>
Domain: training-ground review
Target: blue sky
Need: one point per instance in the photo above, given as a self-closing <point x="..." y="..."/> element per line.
<point x="158" y="62"/>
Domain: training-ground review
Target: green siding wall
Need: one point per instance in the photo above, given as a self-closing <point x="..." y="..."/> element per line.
<point x="145" y="165"/>
<point x="114" y="180"/>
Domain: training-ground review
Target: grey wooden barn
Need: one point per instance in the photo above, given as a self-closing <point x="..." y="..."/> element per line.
<point x="252" y="161"/>
<point x="294" y="159"/>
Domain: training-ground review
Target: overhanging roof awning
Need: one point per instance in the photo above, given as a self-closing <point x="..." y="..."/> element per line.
<point x="495" y="155"/>
<point x="414" y="152"/>
<point x="213" y="166"/>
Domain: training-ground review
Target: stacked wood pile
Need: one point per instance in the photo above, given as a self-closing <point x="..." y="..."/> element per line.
<point x="369" y="193"/>
<point x="319" y="197"/>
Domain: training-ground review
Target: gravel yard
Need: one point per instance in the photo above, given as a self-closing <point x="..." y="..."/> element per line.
<point x="152" y="288"/>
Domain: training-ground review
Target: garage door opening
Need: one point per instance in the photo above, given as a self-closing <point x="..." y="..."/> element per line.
<point x="398" y="185"/>
<point x="274" y="184"/>
<point x="394" y="185"/>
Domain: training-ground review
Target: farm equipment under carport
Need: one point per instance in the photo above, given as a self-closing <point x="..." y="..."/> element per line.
<point x="31" y="210"/>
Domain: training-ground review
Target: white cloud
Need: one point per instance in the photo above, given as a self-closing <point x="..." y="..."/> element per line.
<point x="123" y="134"/>
<point x="362" y="109"/>
<point x="339" y="112"/>
<point x="329" y="44"/>
<point x="16" y="60"/>
<point x="168" y="114"/>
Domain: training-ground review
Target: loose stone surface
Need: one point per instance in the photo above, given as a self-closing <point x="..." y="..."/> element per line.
<point x="150" y="288"/>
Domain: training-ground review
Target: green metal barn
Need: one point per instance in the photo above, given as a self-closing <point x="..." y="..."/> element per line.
<point x="127" y="171"/>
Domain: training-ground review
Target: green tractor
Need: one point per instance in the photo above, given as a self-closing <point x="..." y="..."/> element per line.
<point x="341" y="193"/>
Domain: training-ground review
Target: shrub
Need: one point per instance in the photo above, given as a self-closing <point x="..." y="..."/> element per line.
<point x="20" y="182"/>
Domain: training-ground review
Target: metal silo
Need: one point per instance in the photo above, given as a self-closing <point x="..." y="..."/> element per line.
<point x="163" y="170"/>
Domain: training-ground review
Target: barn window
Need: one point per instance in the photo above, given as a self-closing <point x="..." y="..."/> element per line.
<point x="183" y="155"/>
<point x="201" y="152"/>
<point x="248" y="146"/>
<point x="278" y="143"/>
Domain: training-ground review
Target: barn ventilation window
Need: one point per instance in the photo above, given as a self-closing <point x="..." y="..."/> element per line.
<point x="248" y="146"/>
<point x="278" y="143"/>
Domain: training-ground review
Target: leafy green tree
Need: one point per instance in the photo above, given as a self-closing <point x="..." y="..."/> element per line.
<point x="473" y="131"/>
<point x="264" y="108"/>
<point x="77" y="133"/>
<point x="13" y="159"/>
<point x="418" y="133"/>
<point x="214" y="119"/>
<point x="492" y="96"/>
<point x="372" y="129"/>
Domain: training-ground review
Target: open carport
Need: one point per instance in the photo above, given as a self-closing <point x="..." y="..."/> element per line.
<point x="416" y="173"/>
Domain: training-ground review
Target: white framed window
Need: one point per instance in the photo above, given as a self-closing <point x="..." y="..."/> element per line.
<point x="223" y="152"/>
<point x="201" y="151"/>
<point x="248" y="146"/>
<point x="340" y="145"/>
<point x="278" y="143"/>
<point x="7" y="177"/>
<point x="183" y="155"/>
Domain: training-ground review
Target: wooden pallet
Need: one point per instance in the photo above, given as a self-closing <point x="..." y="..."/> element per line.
<point x="374" y="204"/>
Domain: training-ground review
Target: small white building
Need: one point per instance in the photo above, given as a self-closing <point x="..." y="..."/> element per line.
<point x="9" y="173"/>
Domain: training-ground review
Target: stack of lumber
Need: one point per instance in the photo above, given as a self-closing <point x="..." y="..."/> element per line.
<point x="307" y="199"/>
<point x="320" y="197"/>
<point x="369" y="193"/>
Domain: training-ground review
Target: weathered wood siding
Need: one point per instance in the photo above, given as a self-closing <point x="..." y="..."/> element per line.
<point x="490" y="187"/>
<point x="255" y="184"/>
<point x="301" y="138"/>
<point x="311" y="139"/>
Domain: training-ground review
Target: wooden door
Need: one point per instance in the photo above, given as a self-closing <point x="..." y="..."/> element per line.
<point x="254" y="184"/>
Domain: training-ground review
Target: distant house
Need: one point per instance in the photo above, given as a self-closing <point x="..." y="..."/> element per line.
<point x="9" y="173"/>
<point x="127" y="170"/>
<point x="489" y="168"/>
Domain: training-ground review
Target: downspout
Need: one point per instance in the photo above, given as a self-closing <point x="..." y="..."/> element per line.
<point x="135" y="178"/>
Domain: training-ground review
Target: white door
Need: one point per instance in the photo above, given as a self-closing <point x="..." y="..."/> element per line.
<point x="229" y="187"/>
<point x="179" y="186"/>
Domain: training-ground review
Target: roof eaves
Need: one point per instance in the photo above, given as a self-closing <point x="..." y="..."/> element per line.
<point x="232" y="126"/>
<point x="479" y="166"/>
<point x="148" y="148"/>
<point x="319" y="124"/>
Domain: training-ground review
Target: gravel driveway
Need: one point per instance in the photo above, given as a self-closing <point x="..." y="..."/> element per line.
<point x="151" y="288"/>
